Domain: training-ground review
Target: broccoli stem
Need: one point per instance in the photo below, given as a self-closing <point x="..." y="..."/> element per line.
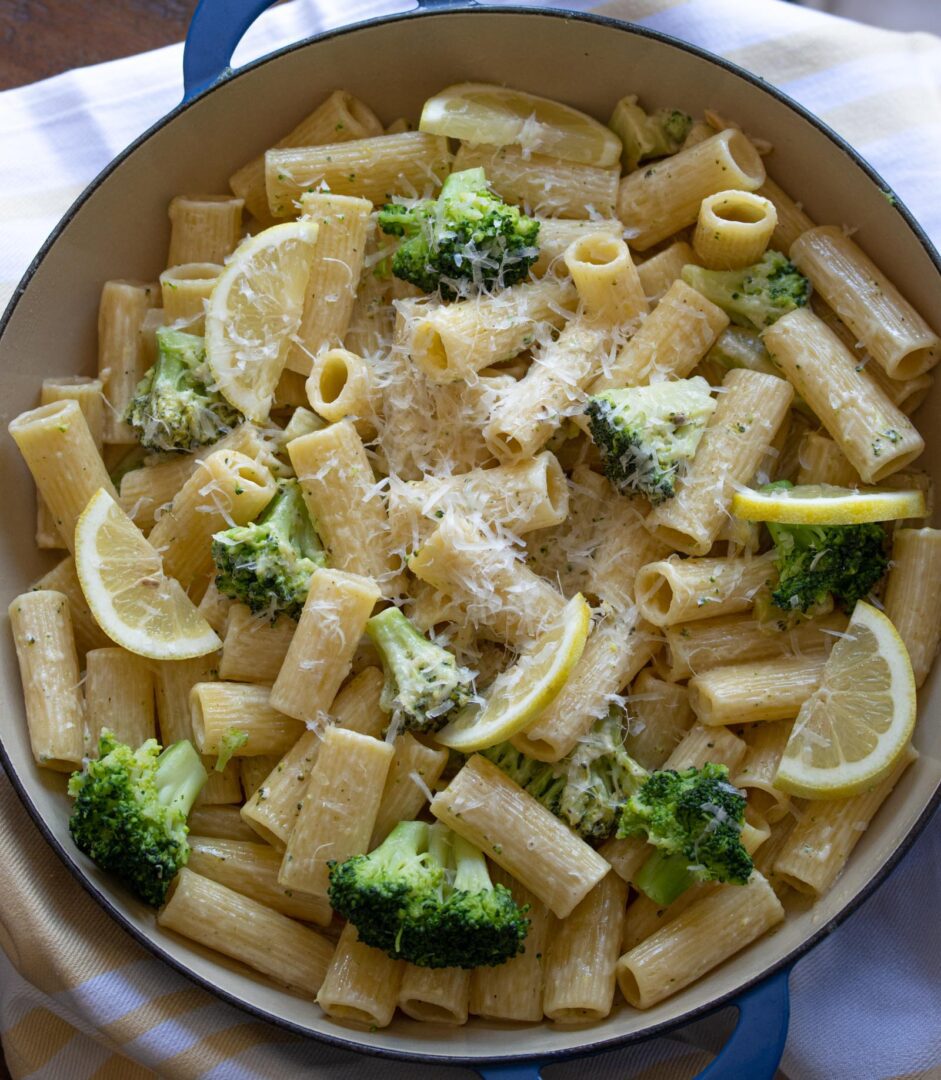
<point x="664" y="877"/>
<point x="180" y="776"/>
<point x="407" y="840"/>
<point x="287" y="514"/>
<point x="472" y="874"/>
<point x="403" y="647"/>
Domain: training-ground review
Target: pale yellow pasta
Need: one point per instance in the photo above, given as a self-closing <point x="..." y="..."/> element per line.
<point x="755" y="776"/>
<point x="792" y="221"/>
<point x="253" y="771"/>
<point x="237" y="926"/>
<point x="645" y="918"/>
<point x="214" y="608"/>
<point x="514" y="990"/>
<point x="88" y="393"/>
<point x="827" y="830"/>
<point x="121" y="358"/>
<point x="483" y="805"/>
<point x="52" y="693"/>
<point x="224" y="787"/>
<point x="63" y="578"/>
<point x="494" y="586"/>
<point x="733" y="229"/>
<point x="185" y="289"/>
<point x="582" y="953"/>
<point x="173" y="681"/>
<point x="672" y="340"/>
<point x="893" y="332"/>
<point x="225" y="489"/>
<point x="556" y="234"/>
<point x="696" y="647"/>
<point x="701" y="744"/>
<point x="528" y="413"/>
<point x="660" y="199"/>
<point x="823" y="462"/>
<point x="760" y="690"/>
<point x="435" y="995"/>
<point x="119" y="696"/>
<point x="337" y="119"/>
<point x="913" y="595"/>
<point x="712" y="929"/>
<point x="617" y="648"/>
<point x="221" y="709"/>
<point x="660" y="715"/>
<point x="543" y="185"/>
<point x="449" y="342"/>
<point x="660" y="271"/>
<point x="376" y="168"/>
<point x="334" y="273"/>
<point x="272" y="810"/>
<point x="682" y="590"/>
<point x="413" y="774"/>
<point x="341" y="494"/>
<point x="341" y="385"/>
<point x="605" y="276"/>
<point x="60" y="452"/>
<point x="204" y="228"/>
<point x="338" y="811"/>
<point x="876" y="436"/>
<point x="362" y="984"/>
<point x="748" y="414"/>
<point x="254" y="647"/>
<point x="219" y="822"/>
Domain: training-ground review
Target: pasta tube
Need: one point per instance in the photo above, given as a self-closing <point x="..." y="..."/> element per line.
<point x="220" y="709"/>
<point x="254" y="648"/>
<point x="733" y="229"/>
<point x="913" y="595"/>
<point x="119" y="696"/>
<point x="765" y="690"/>
<point x="605" y="276"/>
<point x="204" y="228"/>
<point x="362" y="983"/>
<point x="682" y="590"/>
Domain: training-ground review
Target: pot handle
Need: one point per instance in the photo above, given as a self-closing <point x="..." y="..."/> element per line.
<point x="753" y="1049"/>
<point x="218" y="26"/>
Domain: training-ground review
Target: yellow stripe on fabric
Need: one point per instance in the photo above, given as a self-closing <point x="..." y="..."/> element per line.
<point x="794" y="56"/>
<point x="132" y="1025"/>
<point x="219" y="1047"/>
<point x="878" y="115"/>
<point x="25" y="207"/>
<point x="122" y="1068"/>
<point x="635" y="9"/>
<point x="37" y="1038"/>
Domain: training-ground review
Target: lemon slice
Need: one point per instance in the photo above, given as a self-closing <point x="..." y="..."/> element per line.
<point x="499" y="116"/>
<point x="852" y="731"/>
<point x="823" y="504"/>
<point x="254" y="310"/>
<point x="523" y="691"/>
<point x="130" y="596"/>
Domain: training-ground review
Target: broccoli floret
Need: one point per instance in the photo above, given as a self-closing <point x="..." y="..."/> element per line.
<point x="584" y="789"/>
<point x="424" y="682"/>
<point x="756" y="296"/>
<point x="644" y="137"/>
<point x="425" y="895"/>
<point x="647" y="433"/>
<point x="466" y="240"/>
<point x="231" y="741"/>
<point x="268" y="564"/>
<point x="817" y="561"/>
<point x="695" y="819"/>
<point x="173" y="407"/>
<point x="130" y="811"/>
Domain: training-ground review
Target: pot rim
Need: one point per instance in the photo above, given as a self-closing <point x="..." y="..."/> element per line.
<point x="68" y="856"/>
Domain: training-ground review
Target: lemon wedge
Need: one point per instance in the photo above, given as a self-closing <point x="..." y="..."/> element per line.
<point x="824" y="504"/>
<point x="254" y="310"/>
<point x="500" y="116"/>
<point x="130" y="596"/>
<point x="519" y="694"/>
<point x="852" y="731"/>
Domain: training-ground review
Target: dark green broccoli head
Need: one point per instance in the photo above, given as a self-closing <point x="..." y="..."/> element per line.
<point x="647" y="433"/>
<point x="424" y="683"/>
<point x="695" y="818"/>
<point x="425" y="895"/>
<point x="464" y="241"/>
<point x="756" y="296"/>
<point x="130" y="812"/>
<point x="816" y="562"/>
<point x="173" y="408"/>
<point x="268" y="564"/>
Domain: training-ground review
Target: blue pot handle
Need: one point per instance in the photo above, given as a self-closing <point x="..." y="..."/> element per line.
<point x="753" y="1050"/>
<point x="218" y="26"/>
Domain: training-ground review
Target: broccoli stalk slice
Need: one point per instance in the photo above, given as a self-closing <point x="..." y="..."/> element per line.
<point x="664" y="877"/>
<point x="471" y="874"/>
<point x="424" y="683"/>
<point x="756" y="296"/>
<point x="130" y="811"/>
<point x="644" y="136"/>
<point x="268" y="564"/>
<point x="231" y="741"/>
<point x="646" y="434"/>
<point x="173" y="408"/>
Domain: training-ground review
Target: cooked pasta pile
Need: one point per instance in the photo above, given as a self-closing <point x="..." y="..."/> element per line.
<point x="429" y="453"/>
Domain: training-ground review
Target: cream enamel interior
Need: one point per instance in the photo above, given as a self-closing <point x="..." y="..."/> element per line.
<point x="121" y="231"/>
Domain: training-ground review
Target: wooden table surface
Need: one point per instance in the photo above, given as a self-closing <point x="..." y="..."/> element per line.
<point x="39" y="38"/>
